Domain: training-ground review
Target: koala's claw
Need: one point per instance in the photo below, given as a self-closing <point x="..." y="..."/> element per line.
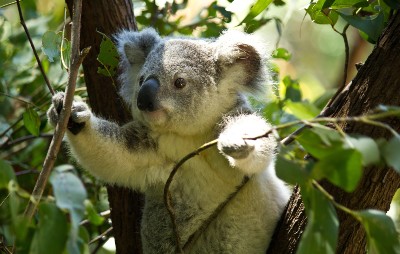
<point x="237" y="148"/>
<point x="80" y="113"/>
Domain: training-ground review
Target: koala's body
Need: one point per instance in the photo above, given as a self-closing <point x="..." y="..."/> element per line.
<point x="183" y="93"/>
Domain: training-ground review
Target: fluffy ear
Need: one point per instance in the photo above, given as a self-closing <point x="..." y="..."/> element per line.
<point x="242" y="60"/>
<point x="135" y="46"/>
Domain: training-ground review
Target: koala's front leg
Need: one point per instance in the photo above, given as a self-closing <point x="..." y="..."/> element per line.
<point x="121" y="155"/>
<point x="250" y="156"/>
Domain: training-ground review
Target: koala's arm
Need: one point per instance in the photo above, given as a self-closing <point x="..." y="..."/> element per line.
<point x="121" y="155"/>
<point x="249" y="156"/>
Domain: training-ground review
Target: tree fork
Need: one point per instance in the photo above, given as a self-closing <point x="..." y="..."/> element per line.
<point x="377" y="82"/>
<point x="109" y="17"/>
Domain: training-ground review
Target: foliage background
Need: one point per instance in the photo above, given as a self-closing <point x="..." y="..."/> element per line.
<point x="308" y="70"/>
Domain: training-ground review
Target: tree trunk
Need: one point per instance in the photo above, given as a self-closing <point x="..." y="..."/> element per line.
<point x="377" y="82"/>
<point x="109" y="17"/>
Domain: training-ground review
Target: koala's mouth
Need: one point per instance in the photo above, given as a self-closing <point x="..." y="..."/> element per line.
<point x="157" y="117"/>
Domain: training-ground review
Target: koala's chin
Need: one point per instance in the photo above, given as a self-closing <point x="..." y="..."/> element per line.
<point x="155" y="118"/>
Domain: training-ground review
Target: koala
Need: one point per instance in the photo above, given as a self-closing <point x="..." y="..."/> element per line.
<point x="182" y="93"/>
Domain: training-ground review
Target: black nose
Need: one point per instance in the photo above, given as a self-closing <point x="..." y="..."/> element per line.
<point x="146" y="100"/>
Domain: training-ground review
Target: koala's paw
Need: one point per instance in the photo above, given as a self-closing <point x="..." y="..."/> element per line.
<point x="80" y="113"/>
<point x="235" y="146"/>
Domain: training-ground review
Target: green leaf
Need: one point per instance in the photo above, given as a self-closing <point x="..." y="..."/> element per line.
<point x="341" y="167"/>
<point x="281" y="53"/>
<point x="382" y="236"/>
<point x="70" y="195"/>
<point x="51" y="45"/>
<point x="52" y="231"/>
<point x="390" y="152"/>
<point x="292" y="86"/>
<point x="321" y="16"/>
<point x="31" y="121"/>
<point x="320" y="141"/>
<point x="367" y="147"/>
<point x="370" y="27"/>
<point x="256" y="9"/>
<point x="6" y="174"/>
<point x="321" y="233"/>
<point x="108" y="57"/>
<point x="290" y="172"/>
<point x="341" y="4"/>
<point x="92" y="214"/>
<point x="302" y="110"/>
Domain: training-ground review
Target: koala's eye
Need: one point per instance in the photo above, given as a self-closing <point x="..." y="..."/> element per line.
<point x="141" y="80"/>
<point x="180" y="83"/>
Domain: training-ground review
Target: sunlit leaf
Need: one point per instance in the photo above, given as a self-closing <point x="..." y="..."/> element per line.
<point x="382" y="236"/>
<point x="321" y="16"/>
<point x="51" y="45"/>
<point x="321" y="233"/>
<point x="31" y="121"/>
<point x="256" y="9"/>
<point x="341" y="167"/>
<point x="367" y="147"/>
<point x="92" y="214"/>
<point x="390" y="152"/>
<point x="52" y="231"/>
<point x="281" y="53"/>
<point x="302" y="110"/>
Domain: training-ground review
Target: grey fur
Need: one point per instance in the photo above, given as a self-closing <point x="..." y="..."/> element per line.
<point x="212" y="103"/>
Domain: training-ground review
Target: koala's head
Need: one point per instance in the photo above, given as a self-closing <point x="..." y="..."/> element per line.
<point x="186" y="85"/>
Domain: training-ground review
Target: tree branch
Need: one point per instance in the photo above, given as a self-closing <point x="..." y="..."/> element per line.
<point x="76" y="60"/>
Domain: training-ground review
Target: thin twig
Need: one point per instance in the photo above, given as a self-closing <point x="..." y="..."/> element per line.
<point x="104" y="214"/>
<point x="99" y="237"/>
<point x="167" y="194"/>
<point x="21" y="18"/>
<point x="76" y="60"/>
<point x="25" y="138"/>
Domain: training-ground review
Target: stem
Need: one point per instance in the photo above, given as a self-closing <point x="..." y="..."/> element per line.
<point x="21" y="18"/>
<point x="76" y="60"/>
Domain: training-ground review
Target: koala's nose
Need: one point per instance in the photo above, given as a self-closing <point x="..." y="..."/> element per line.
<point x="146" y="100"/>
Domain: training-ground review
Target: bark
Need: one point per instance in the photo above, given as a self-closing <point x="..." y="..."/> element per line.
<point x="377" y="82"/>
<point x="109" y="17"/>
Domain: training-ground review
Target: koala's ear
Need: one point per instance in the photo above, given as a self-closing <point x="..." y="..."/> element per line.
<point x="243" y="60"/>
<point x="135" y="46"/>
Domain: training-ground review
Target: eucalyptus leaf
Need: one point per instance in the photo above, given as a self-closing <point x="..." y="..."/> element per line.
<point x="51" y="45"/>
<point x="382" y="236"/>
<point x="341" y="167"/>
<point x="6" y="174"/>
<point x="281" y="53"/>
<point x="290" y="171"/>
<point x="370" y="26"/>
<point x="52" y="231"/>
<point x="92" y="214"/>
<point x="70" y="195"/>
<point x="256" y="9"/>
<point x="367" y="147"/>
<point x="321" y="232"/>
<point x="31" y="121"/>
<point x="390" y="152"/>
<point x="108" y="57"/>
<point x="302" y="110"/>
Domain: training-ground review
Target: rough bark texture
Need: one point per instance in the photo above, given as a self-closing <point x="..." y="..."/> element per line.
<point x="377" y="82"/>
<point x="109" y="17"/>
